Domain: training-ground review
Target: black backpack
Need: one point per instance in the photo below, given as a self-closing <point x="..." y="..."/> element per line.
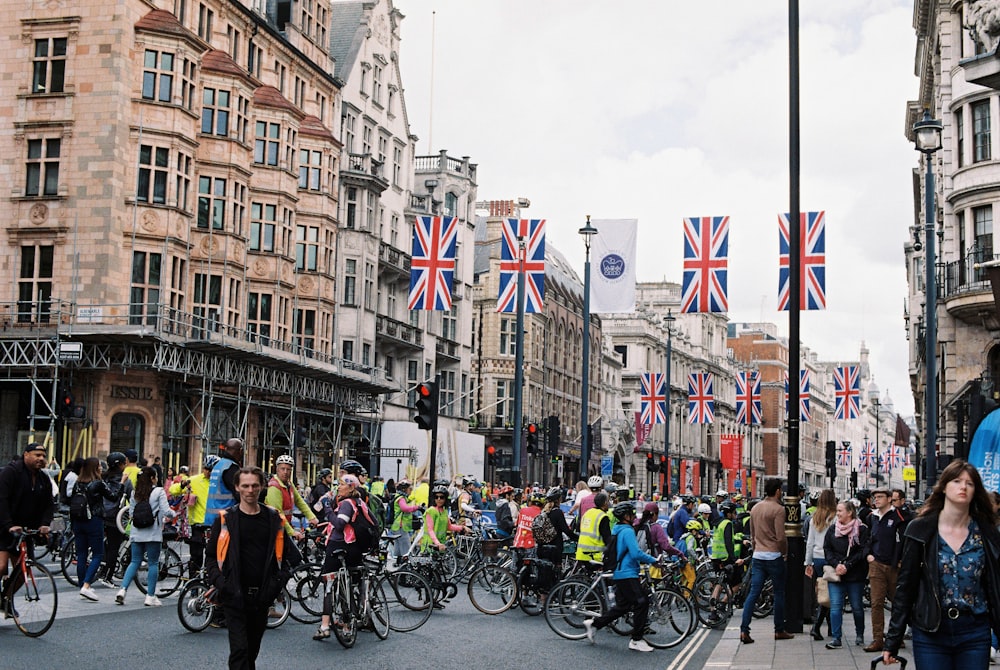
<point x="79" y="508"/>
<point x="63" y="491"/>
<point x="142" y="515"/>
<point x="611" y="559"/>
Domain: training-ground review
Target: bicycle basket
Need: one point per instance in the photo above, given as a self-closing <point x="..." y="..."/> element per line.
<point x="491" y="547"/>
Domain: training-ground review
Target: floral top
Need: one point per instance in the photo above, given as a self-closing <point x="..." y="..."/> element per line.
<point x="961" y="573"/>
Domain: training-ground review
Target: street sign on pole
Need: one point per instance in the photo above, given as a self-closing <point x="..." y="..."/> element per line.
<point x="607" y="465"/>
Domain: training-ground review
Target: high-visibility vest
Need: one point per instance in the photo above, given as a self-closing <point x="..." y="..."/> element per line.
<point x="222" y="547"/>
<point x="219" y="495"/>
<point x="590" y="544"/>
<point x="719" y="552"/>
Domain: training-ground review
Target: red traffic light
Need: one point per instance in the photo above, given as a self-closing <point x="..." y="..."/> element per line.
<point x="532" y="428"/>
<point x="491" y="450"/>
<point x="663" y="459"/>
<point x="424" y="390"/>
<point x="649" y="457"/>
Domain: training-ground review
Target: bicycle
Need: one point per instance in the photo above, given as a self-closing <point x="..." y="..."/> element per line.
<point x="356" y="602"/>
<point x="171" y="568"/>
<point x="197" y="605"/>
<point x="33" y="598"/>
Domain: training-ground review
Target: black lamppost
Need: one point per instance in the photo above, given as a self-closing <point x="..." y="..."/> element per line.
<point x="669" y="320"/>
<point x="873" y="398"/>
<point x="927" y="138"/>
<point x="587" y="232"/>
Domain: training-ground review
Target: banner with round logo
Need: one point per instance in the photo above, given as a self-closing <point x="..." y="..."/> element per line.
<point x="612" y="257"/>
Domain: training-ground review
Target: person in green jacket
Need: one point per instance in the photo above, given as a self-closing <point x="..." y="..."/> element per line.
<point x="725" y="543"/>
<point x="402" y="520"/>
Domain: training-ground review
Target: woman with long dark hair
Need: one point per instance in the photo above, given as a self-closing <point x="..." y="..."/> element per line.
<point x="819" y="523"/>
<point x="845" y="547"/>
<point x="948" y="589"/>
<point x="146" y="541"/>
<point x="88" y="523"/>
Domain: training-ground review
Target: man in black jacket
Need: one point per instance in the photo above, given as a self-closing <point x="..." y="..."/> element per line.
<point x="25" y="501"/>
<point x="248" y="560"/>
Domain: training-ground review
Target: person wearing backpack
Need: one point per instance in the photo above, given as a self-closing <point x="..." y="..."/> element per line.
<point x="549" y="529"/>
<point x="505" y="512"/>
<point x="86" y="513"/>
<point x="148" y="510"/>
<point x="402" y="520"/>
<point x="70" y="474"/>
<point x="631" y="596"/>
<point x="113" y="537"/>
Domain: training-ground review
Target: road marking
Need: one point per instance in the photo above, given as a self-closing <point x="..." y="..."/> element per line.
<point x="689" y="649"/>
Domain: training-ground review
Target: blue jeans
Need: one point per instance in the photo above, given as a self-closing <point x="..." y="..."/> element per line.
<point x="89" y="535"/>
<point x="855" y="591"/>
<point x="760" y="571"/>
<point x="152" y="552"/>
<point x="960" y="643"/>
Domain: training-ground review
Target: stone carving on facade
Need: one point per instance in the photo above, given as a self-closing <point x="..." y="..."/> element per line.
<point x="306" y="285"/>
<point x="982" y="18"/>
<point x="39" y="213"/>
<point x="260" y="267"/>
<point x="149" y="221"/>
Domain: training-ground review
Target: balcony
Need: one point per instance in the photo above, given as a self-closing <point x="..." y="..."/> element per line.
<point x="966" y="291"/>
<point x="448" y="349"/>
<point x="394" y="260"/>
<point x="401" y="333"/>
<point x="365" y="172"/>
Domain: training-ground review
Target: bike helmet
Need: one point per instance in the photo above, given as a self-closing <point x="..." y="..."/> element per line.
<point x="115" y="458"/>
<point x="706" y="499"/>
<point x="441" y="482"/>
<point x="688" y="500"/>
<point x="814" y="497"/>
<point x="350" y="480"/>
<point x="504" y="490"/>
<point x="437" y="490"/>
<point x="722" y="493"/>
<point x="727" y="508"/>
<point x="466" y="481"/>
<point x="704" y="508"/>
<point x="353" y="467"/>
<point x="693" y="524"/>
<point x="324" y="472"/>
<point x="404" y="484"/>
<point x="537" y="498"/>
<point x="611" y="488"/>
<point x="595" y="482"/>
<point x="285" y="459"/>
<point x="623" y="509"/>
<point x="737" y="497"/>
<point x="210" y="461"/>
<point x="555" y="493"/>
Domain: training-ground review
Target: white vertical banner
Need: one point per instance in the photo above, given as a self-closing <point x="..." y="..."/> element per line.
<point x="612" y="270"/>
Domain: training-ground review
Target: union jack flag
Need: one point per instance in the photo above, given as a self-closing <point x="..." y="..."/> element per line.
<point x="803" y="395"/>
<point x="866" y="461"/>
<point x="844" y="454"/>
<point x="812" y="261"/>
<point x="432" y="264"/>
<point x="533" y="232"/>
<point x="701" y="401"/>
<point x="893" y="458"/>
<point x="706" y="250"/>
<point x="653" y="401"/>
<point x="748" y="410"/>
<point x="847" y="393"/>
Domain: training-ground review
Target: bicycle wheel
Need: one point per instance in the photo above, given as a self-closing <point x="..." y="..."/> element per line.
<point x="67" y="564"/>
<point x="309" y="594"/>
<point x="409" y="598"/>
<point x="765" y="601"/>
<point x="379" y="604"/>
<point x="345" y="624"/>
<point x="193" y="606"/>
<point x="492" y="589"/>
<point x="714" y="611"/>
<point x="671" y="619"/>
<point x="568" y="605"/>
<point x="33" y="606"/>
<point x="278" y="613"/>
<point x="170" y="574"/>
<point x="297" y="609"/>
<point x="530" y="600"/>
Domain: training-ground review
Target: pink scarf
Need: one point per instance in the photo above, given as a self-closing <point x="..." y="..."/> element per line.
<point x="852" y="529"/>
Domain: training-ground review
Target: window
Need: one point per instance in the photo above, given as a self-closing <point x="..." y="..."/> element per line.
<point x="254" y="56"/>
<point x="350" y="281"/>
<point x="450" y="204"/>
<point x="178" y="274"/>
<point x="304" y="334"/>
<point x="43" y="167"/>
<point x="259" y="317"/>
<point x="281" y="71"/>
<point x="206" y="304"/>
<point x="349" y="133"/>
<point x="154" y="166"/>
<point x="370" y="201"/>
<point x="205" y="18"/>
<point x="34" y="287"/>
<point x="447" y="398"/>
<point x="267" y="145"/>
<point x="366" y="354"/>
<point x="310" y="169"/>
<point x="239" y="206"/>
<point x="983" y="221"/>
<point x="300" y="92"/>
<point x="981" y="131"/>
<point x="211" y="202"/>
<point x="505" y="398"/>
<point x="391" y="102"/>
<point x="242" y="123"/>
<point x="183" y="180"/>
<point x="49" y="65"/>
<point x="234" y="43"/>
<point x="389" y="364"/>
<point x="366" y="139"/>
<point x="306" y="247"/>
<point x="262" y="226"/>
<point x="347" y="350"/>
<point x="234" y="303"/>
<point x="960" y="135"/>
<point x="158" y="76"/>
<point x="377" y="84"/>
<point x="508" y="340"/>
<point x="350" y="220"/>
<point x="144" y="298"/>
<point x="215" y="112"/>
<point x="397" y="166"/>
<point x="411" y="382"/>
<point x="188" y="88"/>
<point x="449" y="324"/>
<point x="369" y="286"/>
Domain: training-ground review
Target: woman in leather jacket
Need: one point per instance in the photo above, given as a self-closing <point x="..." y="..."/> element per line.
<point x="949" y="591"/>
<point x="89" y="531"/>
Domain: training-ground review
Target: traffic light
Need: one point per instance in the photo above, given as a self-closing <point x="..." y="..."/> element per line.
<point x="554" y="434"/>
<point x="831" y="458"/>
<point x="491" y="456"/>
<point x="65" y="403"/>
<point x="854" y="480"/>
<point x="427" y="406"/>
<point x="301" y="436"/>
<point x="532" y="438"/>
<point x="663" y="463"/>
<point x="651" y="463"/>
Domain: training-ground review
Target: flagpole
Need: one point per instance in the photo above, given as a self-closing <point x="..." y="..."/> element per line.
<point x="519" y="364"/>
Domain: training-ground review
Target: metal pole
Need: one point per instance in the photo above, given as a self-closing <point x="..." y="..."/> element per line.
<point x="434" y="436"/>
<point x="930" y="337"/>
<point x="666" y="423"/>
<point x="877" y="417"/>
<point x="519" y="365"/>
<point x="585" y="395"/>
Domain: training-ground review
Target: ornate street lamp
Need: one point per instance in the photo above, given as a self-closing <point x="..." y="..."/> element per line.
<point x="587" y="232"/>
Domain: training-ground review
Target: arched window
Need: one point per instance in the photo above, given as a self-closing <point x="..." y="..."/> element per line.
<point x="127" y="432"/>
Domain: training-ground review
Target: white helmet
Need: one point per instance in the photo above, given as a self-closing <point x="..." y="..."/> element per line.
<point x="285" y="459"/>
<point x="595" y="482"/>
<point x="703" y="508"/>
<point x="722" y="493"/>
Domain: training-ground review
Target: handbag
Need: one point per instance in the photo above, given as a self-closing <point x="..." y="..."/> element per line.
<point x="830" y="574"/>
<point x="822" y="592"/>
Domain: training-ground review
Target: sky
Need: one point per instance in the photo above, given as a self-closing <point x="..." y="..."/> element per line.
<point x="660" y="109"/>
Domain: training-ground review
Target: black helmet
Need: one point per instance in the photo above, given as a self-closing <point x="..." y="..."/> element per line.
<point x="115" y="458"/>
<point x="353" y="467"/>
<point x="706" y="499"/>
<point x="864" y="494"/>
<point x="623" y="509"/>
<point x="441" y="482"/>
<point x="439" y="489"/>
<point x="555" y="493"/>
<point x="688" y="500"/>
<point x="325" y="472"/>
<point x="727" y="508"/>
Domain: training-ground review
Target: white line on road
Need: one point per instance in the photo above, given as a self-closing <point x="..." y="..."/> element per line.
<point x="689" y="649"/>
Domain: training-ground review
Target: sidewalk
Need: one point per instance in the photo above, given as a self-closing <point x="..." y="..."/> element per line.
<point x="766" y="653"/>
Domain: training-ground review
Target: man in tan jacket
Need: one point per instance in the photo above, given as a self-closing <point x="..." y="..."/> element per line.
<point x="770" y="547"/>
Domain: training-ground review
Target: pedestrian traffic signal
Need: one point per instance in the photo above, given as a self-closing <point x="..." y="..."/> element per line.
<point x="532" y="438"/>
<point x="427" y="406"/>
<point x="491" y="456"/>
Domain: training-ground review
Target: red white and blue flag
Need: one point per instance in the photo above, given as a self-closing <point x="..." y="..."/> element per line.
<point x="866" y="461"/>
<point x="432" y="264"/>
<point x="653" y="399"/>
<point x="844" y="454"/>
<point x="701" y="401"/>
<point x="748" y="411"/>
<point x="803" y="395"/>
<point x="532" y="231"/>
<point x="812" y="261"/>
<point x="847" y="393"/>
<point x="893" y="458"/>
<point x="706" y="261"/>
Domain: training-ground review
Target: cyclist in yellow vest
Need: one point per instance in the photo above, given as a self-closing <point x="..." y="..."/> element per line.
<point x="283" y="496"/>
<point x="725" y="545"/>
<point x="196" y="489"/>
<point x="595" y="531"/>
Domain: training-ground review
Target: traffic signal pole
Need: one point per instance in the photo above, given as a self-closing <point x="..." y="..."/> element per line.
<point x="519" y="368"/>
<point x="434" y="434"/>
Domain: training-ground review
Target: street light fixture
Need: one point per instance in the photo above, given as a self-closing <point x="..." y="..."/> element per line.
<point x="927" y="138"/>
<point x="587" y="232"/>
<point x="668" y="320"/>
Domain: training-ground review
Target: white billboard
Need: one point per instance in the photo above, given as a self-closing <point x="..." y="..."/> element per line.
<point x="405" y="452"/>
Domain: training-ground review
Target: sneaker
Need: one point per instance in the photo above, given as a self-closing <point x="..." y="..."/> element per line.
<point x="321" y="633"/>
<point x="120" y="597"/>
<point x="639" y="645"/>
<point x="152" y="601"/>
<point x="89" y="594"/>
<point x="993" y="656"/>
<point x="834" y="644"/>
<point x="859" y="641"/>
<point x="588" y="625"/>
<point x="273" y="614"/>
<point x="106" y="582"/>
